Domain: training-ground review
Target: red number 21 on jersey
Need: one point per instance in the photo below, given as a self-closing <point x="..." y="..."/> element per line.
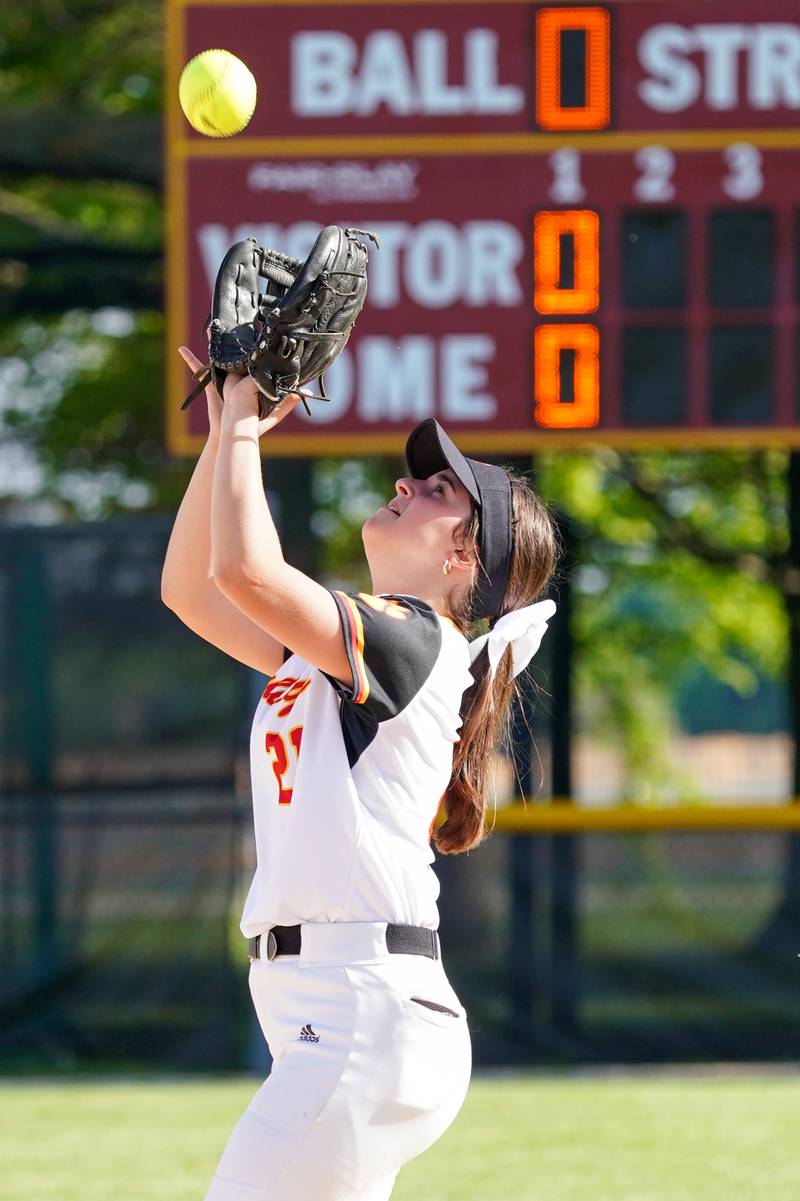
<point x="276" y="748"/>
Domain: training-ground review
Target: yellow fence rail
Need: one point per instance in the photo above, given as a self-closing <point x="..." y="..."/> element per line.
<point x="565" y="817"/>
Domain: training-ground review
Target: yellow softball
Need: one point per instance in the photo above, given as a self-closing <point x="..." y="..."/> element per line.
<point x="217" y="93"/>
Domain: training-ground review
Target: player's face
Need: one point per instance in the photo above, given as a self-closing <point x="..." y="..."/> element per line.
<point x="421" y="520"/>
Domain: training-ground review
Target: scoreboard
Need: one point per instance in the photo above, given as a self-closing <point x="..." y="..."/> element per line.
<point x="589" y="215"/>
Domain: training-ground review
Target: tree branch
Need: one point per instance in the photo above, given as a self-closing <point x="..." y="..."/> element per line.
<point x="683" y="537"/>
<point x="52" y="277"/>
<point x="78" y="144"/>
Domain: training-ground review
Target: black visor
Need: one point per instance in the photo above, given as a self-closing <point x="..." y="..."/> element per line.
<point x="429" y="450"/>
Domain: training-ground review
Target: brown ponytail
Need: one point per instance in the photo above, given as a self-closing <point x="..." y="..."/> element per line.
<point x="486" y="708"/>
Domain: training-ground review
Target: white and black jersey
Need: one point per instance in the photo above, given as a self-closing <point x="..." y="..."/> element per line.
<point x="347" y="780"/>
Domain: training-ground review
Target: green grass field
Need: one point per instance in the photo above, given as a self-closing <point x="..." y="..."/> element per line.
<point x="641" y="1137"/>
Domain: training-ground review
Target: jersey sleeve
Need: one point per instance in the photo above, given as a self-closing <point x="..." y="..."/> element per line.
<point x="392" y="644"/>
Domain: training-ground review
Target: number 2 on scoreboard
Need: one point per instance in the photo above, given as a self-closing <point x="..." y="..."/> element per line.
<point x="276" y="748"/>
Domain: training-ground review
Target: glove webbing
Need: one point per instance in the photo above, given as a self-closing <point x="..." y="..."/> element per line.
<point x="278" y="274"/>
<point x="279" y="259"/>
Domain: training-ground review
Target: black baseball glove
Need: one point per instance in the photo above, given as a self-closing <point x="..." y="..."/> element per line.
<point x="281" y="320"/>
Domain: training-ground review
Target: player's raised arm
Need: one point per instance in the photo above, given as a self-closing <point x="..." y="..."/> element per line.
<point x="246" y="556"/>
<point x="261" y="354"/>
<point x="187" y="583"/>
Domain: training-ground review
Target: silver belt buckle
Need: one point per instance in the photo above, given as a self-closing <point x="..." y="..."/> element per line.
<point x="272" y="945"/>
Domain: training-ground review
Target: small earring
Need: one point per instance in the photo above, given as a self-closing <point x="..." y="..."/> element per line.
<point x="448" y="567"/>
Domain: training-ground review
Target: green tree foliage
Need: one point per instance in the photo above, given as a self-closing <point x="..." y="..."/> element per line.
<point x="683" y="565"/>
<point x="81" y="204"/>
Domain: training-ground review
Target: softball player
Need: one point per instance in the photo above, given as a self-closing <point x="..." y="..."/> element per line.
<point x="378" y="712"/>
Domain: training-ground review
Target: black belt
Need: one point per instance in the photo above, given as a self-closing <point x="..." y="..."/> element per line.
<point x="400" y="940"/>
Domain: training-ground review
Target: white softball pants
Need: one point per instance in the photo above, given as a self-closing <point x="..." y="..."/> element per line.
<point x="337" y="1118"/>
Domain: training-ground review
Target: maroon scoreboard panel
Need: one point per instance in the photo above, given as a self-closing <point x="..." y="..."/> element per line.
<point x="589" y="215"/>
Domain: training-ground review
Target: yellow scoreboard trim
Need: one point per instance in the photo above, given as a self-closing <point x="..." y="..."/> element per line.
<point x="180" y="149"/>
<point x="178" y="438"/>
<point x="511" y="442"/>
<point x="378" y="3"/>
<point x="381" y="145"/>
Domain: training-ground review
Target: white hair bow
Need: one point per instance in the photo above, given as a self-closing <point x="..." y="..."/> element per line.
<point x="522" y="630"/>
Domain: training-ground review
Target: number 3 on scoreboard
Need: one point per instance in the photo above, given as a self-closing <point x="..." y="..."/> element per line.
<point x="276" y="748"/>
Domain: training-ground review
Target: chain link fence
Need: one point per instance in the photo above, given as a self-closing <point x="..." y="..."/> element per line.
<point x="119" y="819"/>
<point x="125" y="848"/>
<point x="682" y="945"/>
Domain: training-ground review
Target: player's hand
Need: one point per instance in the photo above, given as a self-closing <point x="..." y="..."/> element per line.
<point x="241" y="393"/>
<point x="247" y="398"/>
<point x="213" y="398"/>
